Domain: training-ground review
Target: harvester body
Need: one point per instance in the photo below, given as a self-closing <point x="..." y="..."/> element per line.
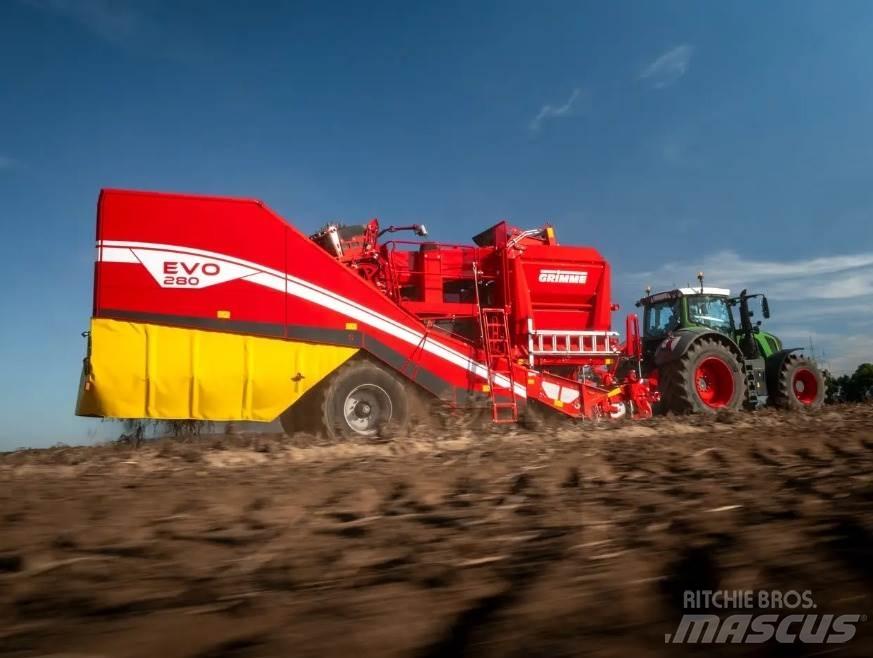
<point x="217" y="309"/>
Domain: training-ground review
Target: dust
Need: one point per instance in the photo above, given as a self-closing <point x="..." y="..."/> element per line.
<point x="578" y="540"/>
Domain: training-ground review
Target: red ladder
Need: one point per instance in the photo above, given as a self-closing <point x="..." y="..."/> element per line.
<point x="498" y="360"/>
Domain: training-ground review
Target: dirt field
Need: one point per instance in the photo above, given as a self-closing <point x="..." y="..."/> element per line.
<point x="572" y="542"/>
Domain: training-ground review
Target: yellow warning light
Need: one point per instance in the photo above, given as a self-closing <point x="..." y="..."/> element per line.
<point x="608" y="362"/>
<point x="550" y="231"/>
<point x="531" y="381"/>
<point x="351" y="326"/>
<point x="223" y="315"/>
<point x="486" y="388"/>
<point x="559" y="404"/>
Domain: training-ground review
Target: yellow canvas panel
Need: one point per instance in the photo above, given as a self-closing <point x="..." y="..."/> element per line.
<point x="139" y="370"/>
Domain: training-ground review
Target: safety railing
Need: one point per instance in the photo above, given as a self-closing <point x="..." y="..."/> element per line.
<point x="563" y="342"/>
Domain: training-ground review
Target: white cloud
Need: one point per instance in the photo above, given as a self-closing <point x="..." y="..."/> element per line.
<point x="676" y="151"/>
<point x="839" y="353"/>
<point x="113" y="21"/>
<point x="551" y="112"/>
<point x="851" y="312"/>
<point x="135" y="27"/>
<point x="849" y="352"/>
<point x="828" y="277"/>
<point x="668" y="67"/>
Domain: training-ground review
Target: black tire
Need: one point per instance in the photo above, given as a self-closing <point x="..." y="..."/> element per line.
<point x="683" y="389"/>
<point x="363" y="401"/>
<point x="799" y="384"/>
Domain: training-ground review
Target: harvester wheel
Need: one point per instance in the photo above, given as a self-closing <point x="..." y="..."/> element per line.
<point x="799" y="384"/>
<point x="707" y="378"/>
<point x="363" y="401"/>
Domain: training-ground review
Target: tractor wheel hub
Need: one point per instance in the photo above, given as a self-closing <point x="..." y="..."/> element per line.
<point x="714" y="382"/>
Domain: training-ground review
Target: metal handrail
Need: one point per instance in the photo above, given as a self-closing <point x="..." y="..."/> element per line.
<point x="573" y="332"/>
<point x="560" y="342"/>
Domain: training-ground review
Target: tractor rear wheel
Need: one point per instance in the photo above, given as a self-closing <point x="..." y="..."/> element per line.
<point x="799" y="384"/>
<point x="706" y="379"/>
<point x="363" y="401"/>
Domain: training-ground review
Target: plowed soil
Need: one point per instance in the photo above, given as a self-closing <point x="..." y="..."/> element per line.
<point x="565" y="542"/>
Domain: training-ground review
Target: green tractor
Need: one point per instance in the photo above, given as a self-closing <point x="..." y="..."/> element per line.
<point x="708" y="354"/>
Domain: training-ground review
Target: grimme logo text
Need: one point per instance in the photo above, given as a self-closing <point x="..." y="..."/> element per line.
<point x="562" y="276"/>
<point x="755" y="617"/>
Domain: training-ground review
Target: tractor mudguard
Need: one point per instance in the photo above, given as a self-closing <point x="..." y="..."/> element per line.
<point x="675" y="345"/>
<point x="774" y="365"/>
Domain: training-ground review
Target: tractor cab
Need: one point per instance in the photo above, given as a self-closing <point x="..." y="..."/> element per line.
<point x="701" y="309"/>
<point x="689" y="307"/>
<point x="708" y="309"/>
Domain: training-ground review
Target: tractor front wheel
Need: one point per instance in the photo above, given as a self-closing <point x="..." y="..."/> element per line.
<point x="799" y="384"/>
<point x="706" y="379"/>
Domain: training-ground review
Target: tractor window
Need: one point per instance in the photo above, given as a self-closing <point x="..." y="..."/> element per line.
<point x="661" y="318"/>
<point x="710" y="311"/>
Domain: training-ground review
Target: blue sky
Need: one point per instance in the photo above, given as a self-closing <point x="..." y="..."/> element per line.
<point x="734" y="137"/>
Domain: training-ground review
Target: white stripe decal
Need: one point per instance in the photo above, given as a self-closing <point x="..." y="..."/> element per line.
<point x="117" y="255"/>
<point x="118" y="251"/>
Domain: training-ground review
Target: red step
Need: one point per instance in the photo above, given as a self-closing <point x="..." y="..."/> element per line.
<point x="495" y="335"/>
